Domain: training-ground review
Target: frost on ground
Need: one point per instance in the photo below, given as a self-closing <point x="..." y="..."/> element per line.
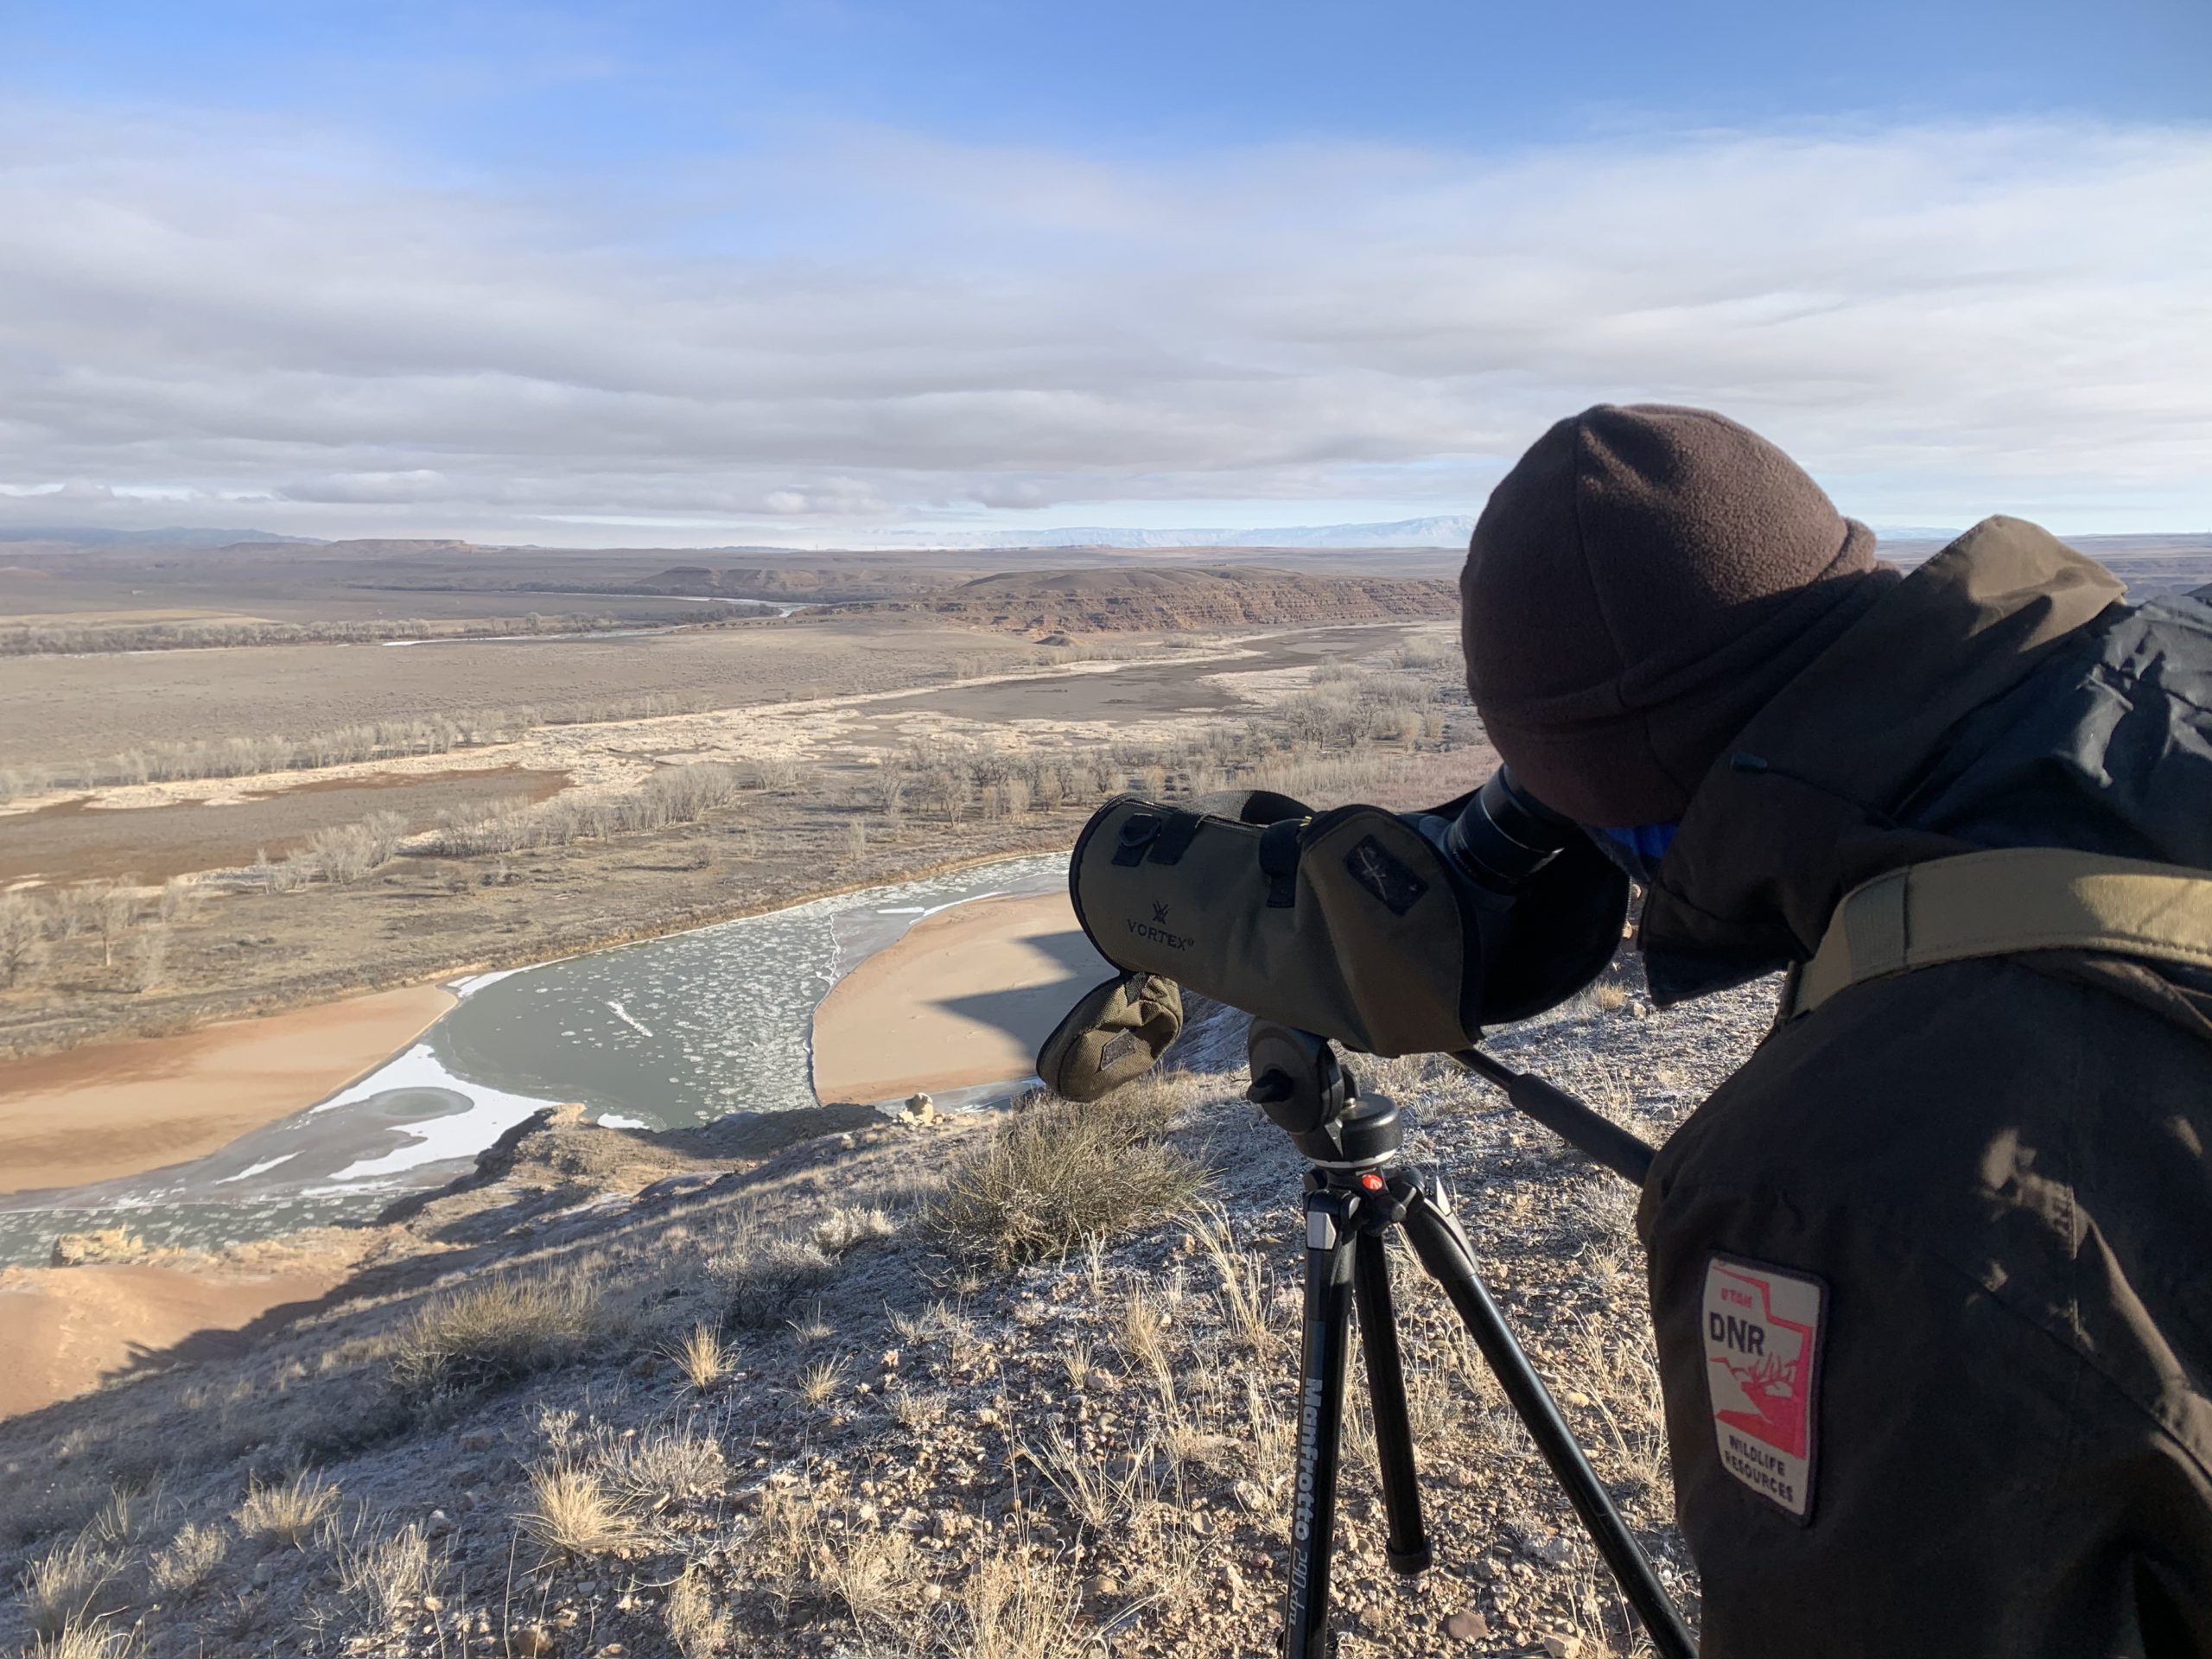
<point x="701" y="1393"/>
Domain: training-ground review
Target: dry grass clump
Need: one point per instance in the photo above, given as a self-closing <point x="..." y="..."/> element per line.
<point x="761" y="1277"/>
<point x="189" y="1559"/>
<point x="663" y="1465"/>
<point x="1056" y="1175"/>
<point x="1607" y="998"/>
<point x="487" y="1335"/>
<point x="874" y="1574"/>
<point x="1017" y="1609"/>
<point x="286" y="1513"/>
<point x="917" y="1410"/>
<point x="573" y="1512"/>
<point x="390" y="1575"/>
<point x="840" y="1230"/>
<point x="93" y="1641"/>
<point x="704" y="1357"/>
<point x="1100" y="1488"/>
<point x="939" y="1322"/>
<point x="821" y="1380"/>
<point x="699" y="1628"/>
<point x="73" y="1585"/>
<point x="1247" y="1302"/>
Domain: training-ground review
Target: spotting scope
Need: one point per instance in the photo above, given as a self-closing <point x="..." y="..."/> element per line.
<point x="1390" y="932"/>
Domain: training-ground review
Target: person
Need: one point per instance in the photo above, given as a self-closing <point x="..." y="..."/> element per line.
<point x="1931" y="1272"/>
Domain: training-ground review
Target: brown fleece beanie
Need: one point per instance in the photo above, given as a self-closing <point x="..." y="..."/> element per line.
<point x="1640" y="584"/>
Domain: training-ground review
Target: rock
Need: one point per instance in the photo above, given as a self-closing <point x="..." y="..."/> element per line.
<point x="1467" y="1625"/>
<point x="920" y="1108"/>
<point x="533" y="1642"/>
<point x="1561" y="1647"/>
<point x="1554" y="1551"/>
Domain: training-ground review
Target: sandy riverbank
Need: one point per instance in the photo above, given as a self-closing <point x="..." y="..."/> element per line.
<point x="65" y="1330"/>
<point x="962" y="999"/>
<point x="119" y="1109"/>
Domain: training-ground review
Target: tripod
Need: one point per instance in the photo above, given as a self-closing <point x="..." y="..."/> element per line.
<point x="1354" y="1195"/>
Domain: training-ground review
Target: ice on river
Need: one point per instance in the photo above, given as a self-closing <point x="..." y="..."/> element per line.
<point x="662" y="1034"/>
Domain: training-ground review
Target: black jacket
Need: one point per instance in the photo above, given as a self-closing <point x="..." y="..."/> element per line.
<point x="1996" y="1172"/>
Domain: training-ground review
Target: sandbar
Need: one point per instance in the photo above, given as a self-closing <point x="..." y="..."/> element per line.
<point x="66" y="1330"/>
<point x="121" y="1108"/>
<point x="963" y="999"/>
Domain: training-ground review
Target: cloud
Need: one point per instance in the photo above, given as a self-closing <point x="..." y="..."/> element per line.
<point x="866" y="328"/>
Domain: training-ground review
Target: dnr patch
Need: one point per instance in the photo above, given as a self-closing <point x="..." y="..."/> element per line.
<point x="1762" y="1329"/>
<point x="1385" y="875"/>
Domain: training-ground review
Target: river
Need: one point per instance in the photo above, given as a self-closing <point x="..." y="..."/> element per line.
<point x="668" y="1031"/>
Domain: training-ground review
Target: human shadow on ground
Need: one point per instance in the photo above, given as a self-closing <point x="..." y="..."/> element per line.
<point x="1028" y="1013"/>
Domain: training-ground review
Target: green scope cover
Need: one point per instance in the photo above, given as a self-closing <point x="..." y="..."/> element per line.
<point x="1349" y="924"/>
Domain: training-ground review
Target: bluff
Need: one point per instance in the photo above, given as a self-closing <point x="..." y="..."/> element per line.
<point x="1151" y="600"/>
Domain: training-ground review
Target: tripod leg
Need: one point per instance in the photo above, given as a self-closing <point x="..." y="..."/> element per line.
<point x="1327" y="1335"/>
<point x="1408" y="1549"/>
<point x="1443" y="1248"/>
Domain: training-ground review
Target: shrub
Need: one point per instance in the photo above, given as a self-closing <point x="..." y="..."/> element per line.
<point x="842" y="1228"/>
<point x="761" y="1278"/>
<point x="1058" y="1174"/>
<point x="484" y="1336"/>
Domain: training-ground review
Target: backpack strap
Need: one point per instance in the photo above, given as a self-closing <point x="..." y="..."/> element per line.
<point x="2004" y="901"/>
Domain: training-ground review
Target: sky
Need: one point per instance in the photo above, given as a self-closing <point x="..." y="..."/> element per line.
<point x="703" y="274"/>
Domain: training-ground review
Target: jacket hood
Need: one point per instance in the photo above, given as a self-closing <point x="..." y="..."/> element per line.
<point x="1766" y="851"/>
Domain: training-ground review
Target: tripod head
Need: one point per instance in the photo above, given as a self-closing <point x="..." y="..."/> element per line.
<point x="1312" y="1096"/>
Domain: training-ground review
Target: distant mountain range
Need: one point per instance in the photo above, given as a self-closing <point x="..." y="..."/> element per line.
<point x="1449" y="531"/>
<point x="173" y="536"/>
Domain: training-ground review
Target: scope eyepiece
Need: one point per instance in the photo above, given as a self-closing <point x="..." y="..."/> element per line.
<point x="1505" y="835"/>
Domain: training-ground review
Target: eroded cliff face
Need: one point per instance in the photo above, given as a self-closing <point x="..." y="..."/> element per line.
<point x="1154" y="601"/>
<point x="809" y="582"/>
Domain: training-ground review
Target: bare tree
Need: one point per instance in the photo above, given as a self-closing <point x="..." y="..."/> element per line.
<point x="23" y="938"/>
<point x="386" y="830"/>
<point x="150" y="958"/>
<point x="113" y="911"/>
<point x="73" y="912"/>
<point x="178" y="897"/>
<point x="339" y="853"/>
<point x="945" y="784"/>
